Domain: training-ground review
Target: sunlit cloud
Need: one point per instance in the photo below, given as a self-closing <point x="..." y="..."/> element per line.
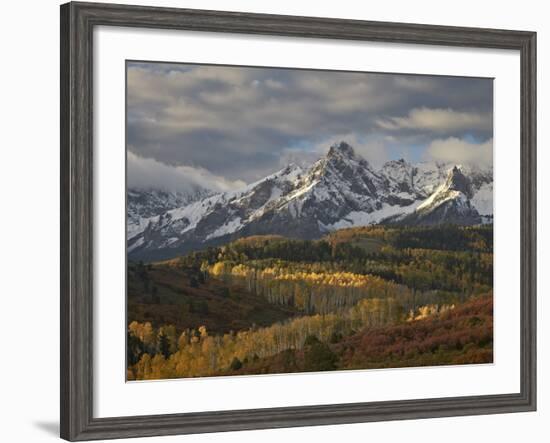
<point x="460" y="151"/>
<point x="438" y="120"/>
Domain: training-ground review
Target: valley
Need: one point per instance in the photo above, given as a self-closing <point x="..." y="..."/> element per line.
<point x="365" y="297"/>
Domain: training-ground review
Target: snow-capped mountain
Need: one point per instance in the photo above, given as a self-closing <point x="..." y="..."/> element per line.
<point x="450" y="203"/>
<point x="420" y="179"/>
<point x="142" y="204"/>
<point x="340" y="190"/>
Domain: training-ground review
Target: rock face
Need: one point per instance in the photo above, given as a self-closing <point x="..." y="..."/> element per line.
<point x="340" y="190"/>
<point x="450" y="203"/>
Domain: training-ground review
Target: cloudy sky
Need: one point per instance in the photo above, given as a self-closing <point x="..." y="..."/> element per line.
<point x="222" y="127"/>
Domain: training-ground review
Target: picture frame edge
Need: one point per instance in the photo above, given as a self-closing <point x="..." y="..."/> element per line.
<point x="76" y="225"/>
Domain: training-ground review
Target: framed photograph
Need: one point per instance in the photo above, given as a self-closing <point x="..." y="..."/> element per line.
<point x="273" y="221"/>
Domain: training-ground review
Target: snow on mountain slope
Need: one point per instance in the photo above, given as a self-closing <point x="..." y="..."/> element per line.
<point x="387" y="211"/>
<point x="423" y="179"/>
<point x="214" y="216"/>
<point x="142" y="204"/>
<point x="341" y="189"/>
<point x="450" y="203"/>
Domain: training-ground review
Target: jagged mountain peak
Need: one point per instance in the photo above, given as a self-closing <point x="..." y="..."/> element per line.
<point x="342" y="157"/>
<point x="341" y="149"/>
<point x="456" y="187"/>
<point x="457" y="181"/>
<point x="450" y="203"/>
<point x="348" y="176"/>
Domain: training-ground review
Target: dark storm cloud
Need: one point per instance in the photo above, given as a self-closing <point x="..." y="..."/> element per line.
<point x="243" y="123"/>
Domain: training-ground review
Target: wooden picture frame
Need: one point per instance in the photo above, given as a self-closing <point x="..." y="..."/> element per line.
<point x="77" y="23"/>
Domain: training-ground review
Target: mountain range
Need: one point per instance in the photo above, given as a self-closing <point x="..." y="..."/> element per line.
<point x="341" y="189"/>
<point x="142" y="204"/>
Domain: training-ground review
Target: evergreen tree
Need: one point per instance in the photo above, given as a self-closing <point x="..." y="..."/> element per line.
<point x="236" y="364"/>
<point x="318" y="356"/>
<point x="163" y="345"/>
<point x="134" y="349"/>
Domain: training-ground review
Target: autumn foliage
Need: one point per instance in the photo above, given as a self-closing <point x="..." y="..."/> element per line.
<point x="360" y="298"/>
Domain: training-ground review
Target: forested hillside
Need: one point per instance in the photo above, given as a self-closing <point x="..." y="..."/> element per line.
<point x="358" y="298"/>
